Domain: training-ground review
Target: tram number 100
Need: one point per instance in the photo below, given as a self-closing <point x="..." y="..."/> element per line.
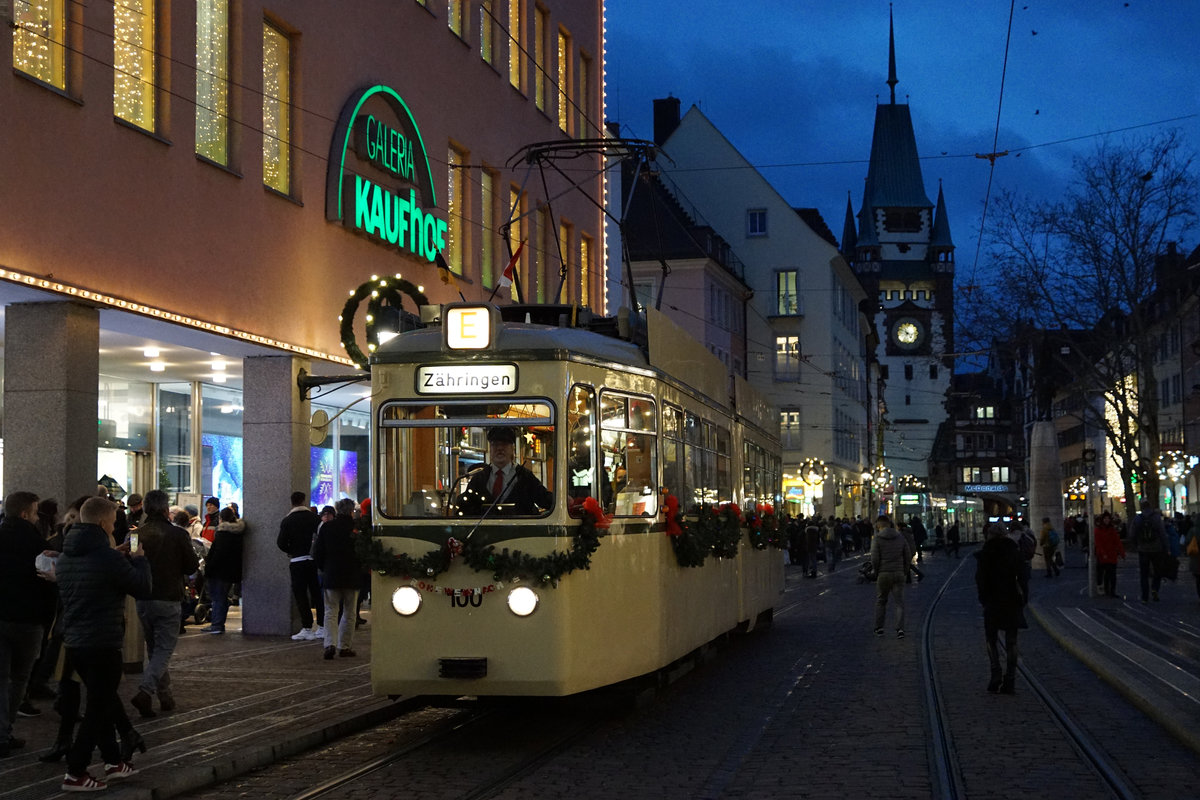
<point x="462" y="598"/>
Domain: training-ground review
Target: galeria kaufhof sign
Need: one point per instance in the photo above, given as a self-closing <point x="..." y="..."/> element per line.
<point x="379" y="182"/>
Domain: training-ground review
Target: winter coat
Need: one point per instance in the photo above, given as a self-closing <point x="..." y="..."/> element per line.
<point x="891" y="552"/>
<point x="224" y="559"/>
<point x="297" y="532"/>
<point x="169" y="551"/>
<point x="335" y="555"/>
<point x="998" y="583"/>
<point x="24" y="597"/>
<point x="1109" y="547"/>
<point x="93" y="581"/>
<point x="1149" y="533"/>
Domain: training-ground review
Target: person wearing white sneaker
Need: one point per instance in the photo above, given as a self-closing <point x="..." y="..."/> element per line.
<point x="94" y="577"/>
<point x="296" y="534"/>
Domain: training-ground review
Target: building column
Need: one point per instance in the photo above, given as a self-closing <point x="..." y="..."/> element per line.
<point x="51" y="392"/>
<point x="275" y="463"/>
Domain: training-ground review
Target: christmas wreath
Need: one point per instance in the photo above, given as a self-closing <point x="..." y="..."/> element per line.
<point x="505" y="565"/>
<point x="764" y="529"/>
<point x="393" y="290"/>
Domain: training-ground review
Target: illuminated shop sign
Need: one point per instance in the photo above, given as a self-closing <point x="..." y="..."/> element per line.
<point x="379" y="182"/>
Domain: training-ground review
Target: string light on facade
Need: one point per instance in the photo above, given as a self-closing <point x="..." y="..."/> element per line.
<point x="1175" y="466"/>
<point x="814" y="471"/>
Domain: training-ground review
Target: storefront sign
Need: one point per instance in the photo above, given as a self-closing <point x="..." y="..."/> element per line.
<point x="463" y="379"/>
<point x="379" y="182"/>
<point x="986" y="487"/>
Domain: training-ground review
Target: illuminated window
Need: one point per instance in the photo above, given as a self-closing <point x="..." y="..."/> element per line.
<point x="454" y="16"/>
<point x="539" y="57"/>
<point x="564" y="81"/>
<point x="539" y="254"/>
<point x="516" y="234"/>
<point x="985" y="412"/>
<point x="487" y="32"/>
<point x="756" y="222"/>
<point x="39" y="40"/>
<point x="516" y="41"/>
<point x="585" y="271"/>
<point x="566" y="247"/>
<point x="584" y="98"/>
<point x="787" y="358"/>
<point x="133" y="62"/>
<point x="212" y="80"/>
<point x="487" y="250"/>
<point x="455" y="209"/>
<point x="277" y="98"/>
<point x="787" y="301"/>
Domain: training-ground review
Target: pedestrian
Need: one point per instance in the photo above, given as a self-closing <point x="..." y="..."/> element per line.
<point x="94" y="577"/>
<point x="913" y="569"/>
<point x="833" y="545"/>
<point x="1191" y="549"/>
<point x="136" y="511"/>
<point x="43" y="669"/>
<point x="1150" y="539"/>
<point x="26" y="597"/>
<point x="172" y="558"/>
<point x="1109" y="548"/>
<point x="1049" y="541"/>
<point x="891" y="557"/>
<point x="795" y="540"/>
<point x="812" y="544"/>
<point x="341" y="570"/>
<point x="919" y="535"/>
<point x="223" y="566"/>
<point x="952" y="539"/>
<point x="208" y="528"/>
<point x="297" y="533"/>
<point x="1003" y="594"/>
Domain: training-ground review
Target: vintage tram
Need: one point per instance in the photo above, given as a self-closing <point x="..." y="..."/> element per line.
<point x="480" y="593"/>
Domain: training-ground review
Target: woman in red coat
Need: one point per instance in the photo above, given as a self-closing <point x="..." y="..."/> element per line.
<point x="1108" y="549"/>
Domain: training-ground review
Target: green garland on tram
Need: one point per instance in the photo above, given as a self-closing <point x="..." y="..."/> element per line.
<point x="505" y="566"/>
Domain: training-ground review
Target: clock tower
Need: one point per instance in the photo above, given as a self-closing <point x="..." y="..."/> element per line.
<point x="899" y="245"/>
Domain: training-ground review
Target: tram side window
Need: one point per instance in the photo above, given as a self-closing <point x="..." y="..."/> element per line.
<point x="693" y="471"/>
<point x="628" y="439"/>
<point x="672" y="444"/>
<point x="581" y="452"/>
<point x="724" y="478"/>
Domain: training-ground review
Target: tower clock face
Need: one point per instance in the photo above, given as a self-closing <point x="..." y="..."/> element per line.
<point x="907" y="332"/>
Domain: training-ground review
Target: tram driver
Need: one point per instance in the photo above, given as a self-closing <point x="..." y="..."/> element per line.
<point x="511" y="487"/>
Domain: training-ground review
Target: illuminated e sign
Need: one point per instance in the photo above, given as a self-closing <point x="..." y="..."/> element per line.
<point x="379" y="182"/>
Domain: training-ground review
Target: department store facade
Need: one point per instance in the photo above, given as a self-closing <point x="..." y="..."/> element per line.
<point x="192" y="190"/>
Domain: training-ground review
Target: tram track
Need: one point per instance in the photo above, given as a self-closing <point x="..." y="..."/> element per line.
<point x="949" y="776"/>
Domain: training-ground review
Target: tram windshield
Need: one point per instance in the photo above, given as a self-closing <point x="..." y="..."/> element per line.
<point x="465" y="459"/>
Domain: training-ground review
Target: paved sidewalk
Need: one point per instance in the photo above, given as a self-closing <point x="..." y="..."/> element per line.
<point x="243" y="701"/>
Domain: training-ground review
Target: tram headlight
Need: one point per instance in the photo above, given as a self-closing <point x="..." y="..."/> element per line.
<point x="406" y="601"/>
<point x="522" y="601"/>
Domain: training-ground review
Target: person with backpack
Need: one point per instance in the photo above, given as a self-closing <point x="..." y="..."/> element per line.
<point x="1049" y="541"/>
<point x="1150" y="538"/>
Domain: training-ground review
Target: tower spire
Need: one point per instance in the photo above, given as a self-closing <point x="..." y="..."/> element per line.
<point x="891" y="55"/>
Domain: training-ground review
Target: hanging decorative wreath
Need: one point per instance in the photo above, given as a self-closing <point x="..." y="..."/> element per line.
<point x="393" y="290"/>
<point x="504" y="566"/>
<point x="716" y="531"/>
<point x="764" y="529"/>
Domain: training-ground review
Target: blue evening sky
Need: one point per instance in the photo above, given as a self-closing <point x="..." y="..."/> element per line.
<point x="793" y="86"/>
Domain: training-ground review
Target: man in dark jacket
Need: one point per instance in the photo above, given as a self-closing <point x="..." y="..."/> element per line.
<point x="1003" y="593"/>
<point x="891" y="555"/>
<point x="296" y="534"/>
<point x="505" y="487"/>
<point x="169" y="550"/>
<point x="93" y="579"/>
<point x="25" y="597"/>
<point x="341" y="575"/>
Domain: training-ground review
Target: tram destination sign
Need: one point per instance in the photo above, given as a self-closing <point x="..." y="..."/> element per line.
<point x="467" y="379"/>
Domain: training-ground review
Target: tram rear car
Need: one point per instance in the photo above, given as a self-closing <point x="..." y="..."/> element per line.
<point x="592" y="417"/>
